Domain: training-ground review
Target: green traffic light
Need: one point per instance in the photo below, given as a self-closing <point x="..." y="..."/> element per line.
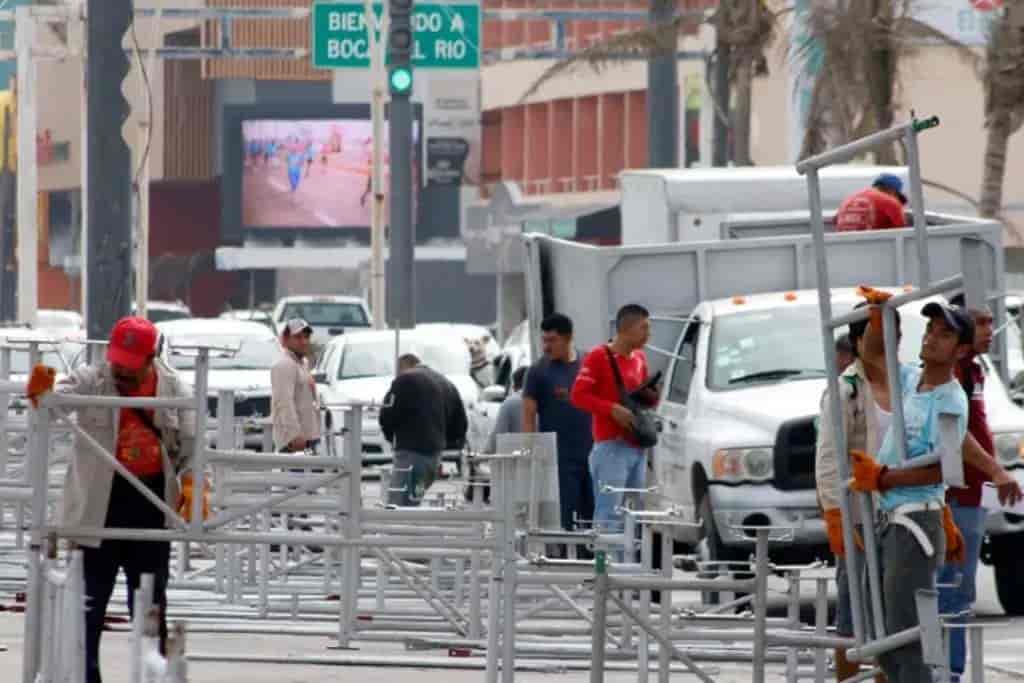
<point x="401" y="80"/>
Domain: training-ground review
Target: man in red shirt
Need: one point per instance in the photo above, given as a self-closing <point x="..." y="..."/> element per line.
<point x="616" y="461"/>
<point x="965" y="503"/>
<point x="875" y="208"/>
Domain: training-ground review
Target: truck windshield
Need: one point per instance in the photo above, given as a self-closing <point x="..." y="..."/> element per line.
<point x="783" y="345"/>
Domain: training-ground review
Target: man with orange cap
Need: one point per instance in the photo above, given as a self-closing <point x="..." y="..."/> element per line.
<point x="152" y="445"/>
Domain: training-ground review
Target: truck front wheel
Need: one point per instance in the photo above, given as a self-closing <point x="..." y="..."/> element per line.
<point x="710" y="548"/>
<point x="1009" y="569"/>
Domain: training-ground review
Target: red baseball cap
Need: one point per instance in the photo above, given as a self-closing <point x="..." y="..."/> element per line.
<point x="132" y="342"/>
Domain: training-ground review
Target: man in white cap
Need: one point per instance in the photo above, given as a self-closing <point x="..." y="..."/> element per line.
<point x="293" y="406"/>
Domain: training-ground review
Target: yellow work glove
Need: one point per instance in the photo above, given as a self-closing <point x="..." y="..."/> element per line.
<point x="185" y="498"/>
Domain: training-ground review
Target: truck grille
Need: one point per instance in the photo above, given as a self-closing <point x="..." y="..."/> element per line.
<point x="256" y="405"/>
<point x="794" y="454"/>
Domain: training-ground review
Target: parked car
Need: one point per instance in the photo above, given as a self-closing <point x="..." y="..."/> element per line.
<point x="361" y="366"/>
<point x="251" y="315"/>
<point x="483" y="347"/>
<point x="162" y="311"/>
<point x="328" y="315"/>
<point x="60" y="324"/>
<point x="246" y="372"/>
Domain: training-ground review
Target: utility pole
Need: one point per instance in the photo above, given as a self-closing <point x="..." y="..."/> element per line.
<point x="663" y="91"/>
<point x="401" y="287"/>
<point x="27" y="176"/>
<point x="378" y="97"/>
<point x="109" y="204"/>
<point x="720" y="94"/>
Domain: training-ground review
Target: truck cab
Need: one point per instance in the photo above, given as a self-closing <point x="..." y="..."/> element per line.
<point x="739" y="410"/>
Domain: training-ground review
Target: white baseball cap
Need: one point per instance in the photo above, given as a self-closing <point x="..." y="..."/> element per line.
<point x="297" y="326"/>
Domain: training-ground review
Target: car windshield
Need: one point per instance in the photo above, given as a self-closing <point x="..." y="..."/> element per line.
<point x="784" y="344"/>
<point x="254" y="353"/>
<point x="377" y="358"/>
<point x="327" y="314"/>
<point x="161" y="315"/>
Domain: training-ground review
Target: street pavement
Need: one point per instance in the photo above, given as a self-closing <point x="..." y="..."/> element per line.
<point x="259" y="657"/>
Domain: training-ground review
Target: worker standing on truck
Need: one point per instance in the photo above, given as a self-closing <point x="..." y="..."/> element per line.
<point x="874" y="208"/>
<point x="616" y="461"/>
<point x="547" y="408"/>
<point x="958" y="579"/>
<point x="867" y="411"/>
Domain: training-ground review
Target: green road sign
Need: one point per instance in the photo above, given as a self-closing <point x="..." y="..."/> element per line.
<point x="446" y="36"/>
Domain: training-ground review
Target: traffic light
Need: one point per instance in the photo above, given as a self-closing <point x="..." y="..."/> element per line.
<point x="400" y="45"/>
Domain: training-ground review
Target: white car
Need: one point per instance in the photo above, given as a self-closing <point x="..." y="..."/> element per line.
<point x="247" y="372"/>
<point x="483" y="347"/>
<point x="361" y="366"/>
<point x="329" y="316"/>
<point x="251" y="315"/>
<point x="60" y="324"/>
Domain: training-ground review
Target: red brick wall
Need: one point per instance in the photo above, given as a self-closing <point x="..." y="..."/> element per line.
<point x="185" y="221"/>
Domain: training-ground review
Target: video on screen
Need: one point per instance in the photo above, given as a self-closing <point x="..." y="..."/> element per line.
<point x="311" y="173"/>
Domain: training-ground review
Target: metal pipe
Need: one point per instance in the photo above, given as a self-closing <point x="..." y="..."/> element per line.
<point x="228" y="517"/>
<point x="654" y="583"/>
<point x="917" y="205"/>
<point x="248" y="458"/>
<point x="834" y="407"/>
<point x="600" y="613"/>
<point x="662" y="640"/>
<point x="853" y="149"/>
<point x="53" y="400"/>
<point x="761" y="570"/>
<point x="940" y="287"/>
<point x="871" y="650"/>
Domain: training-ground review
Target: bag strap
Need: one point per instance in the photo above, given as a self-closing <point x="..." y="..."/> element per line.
<point x="623" y="396"/>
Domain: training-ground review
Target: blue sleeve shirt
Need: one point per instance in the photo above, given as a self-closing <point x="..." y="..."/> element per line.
<point x="921" y="411"/>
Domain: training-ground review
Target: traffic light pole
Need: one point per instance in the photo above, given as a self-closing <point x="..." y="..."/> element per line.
<point x="378" y="98"/>
<point x="402" y="270"/>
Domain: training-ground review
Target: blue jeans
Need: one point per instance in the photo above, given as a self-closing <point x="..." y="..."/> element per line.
<point x="971" y="522"/>
<point x="412" y="475"/>
<point x="619" y="465"/>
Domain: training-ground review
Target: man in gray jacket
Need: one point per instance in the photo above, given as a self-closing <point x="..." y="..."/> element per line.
<point x="293" y="406"/>
<point x="155" y="446"/>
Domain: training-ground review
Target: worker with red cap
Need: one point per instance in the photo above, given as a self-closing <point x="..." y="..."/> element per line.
<point x="878" y="207"/>
<point x="152" y="445"/>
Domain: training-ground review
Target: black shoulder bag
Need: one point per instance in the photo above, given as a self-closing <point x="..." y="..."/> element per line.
<point x="645" y="426"/>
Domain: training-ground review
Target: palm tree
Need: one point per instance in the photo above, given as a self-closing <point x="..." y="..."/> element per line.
<point x="1003" y="76"/>
<point x="861" y="44"/>
<point x="744" y="30"/>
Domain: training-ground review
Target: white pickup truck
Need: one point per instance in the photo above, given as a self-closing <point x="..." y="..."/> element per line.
<point x="736" y="328"/>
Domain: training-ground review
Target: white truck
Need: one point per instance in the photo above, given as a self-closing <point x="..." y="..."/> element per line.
<point x="696" y="205"/>
<point x="735" y="327"/>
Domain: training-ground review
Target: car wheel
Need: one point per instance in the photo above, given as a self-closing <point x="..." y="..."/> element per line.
<point x="710" y="548"/>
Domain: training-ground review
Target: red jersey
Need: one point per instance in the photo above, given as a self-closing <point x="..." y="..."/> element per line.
<point x="595" y="390"/>
<point x="138" y="448"/>
<point x="870" y="209"/>
<point x="972" y="377"/>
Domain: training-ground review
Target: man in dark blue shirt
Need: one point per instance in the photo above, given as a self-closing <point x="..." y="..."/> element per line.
<point x="546" y="408"/>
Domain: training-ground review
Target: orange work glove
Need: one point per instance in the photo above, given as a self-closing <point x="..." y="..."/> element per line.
<point x="955" y="549"/>
<point x="876" y="298"/>
<point x="185" y="498"/>
<point x="867" y="472"/>
<point x="834" y="529"/>
<point x="40" y="382"/>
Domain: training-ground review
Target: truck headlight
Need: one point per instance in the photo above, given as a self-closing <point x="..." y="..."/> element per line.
<point x="742" y="464"/>
<point x="1010" y="448"/>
